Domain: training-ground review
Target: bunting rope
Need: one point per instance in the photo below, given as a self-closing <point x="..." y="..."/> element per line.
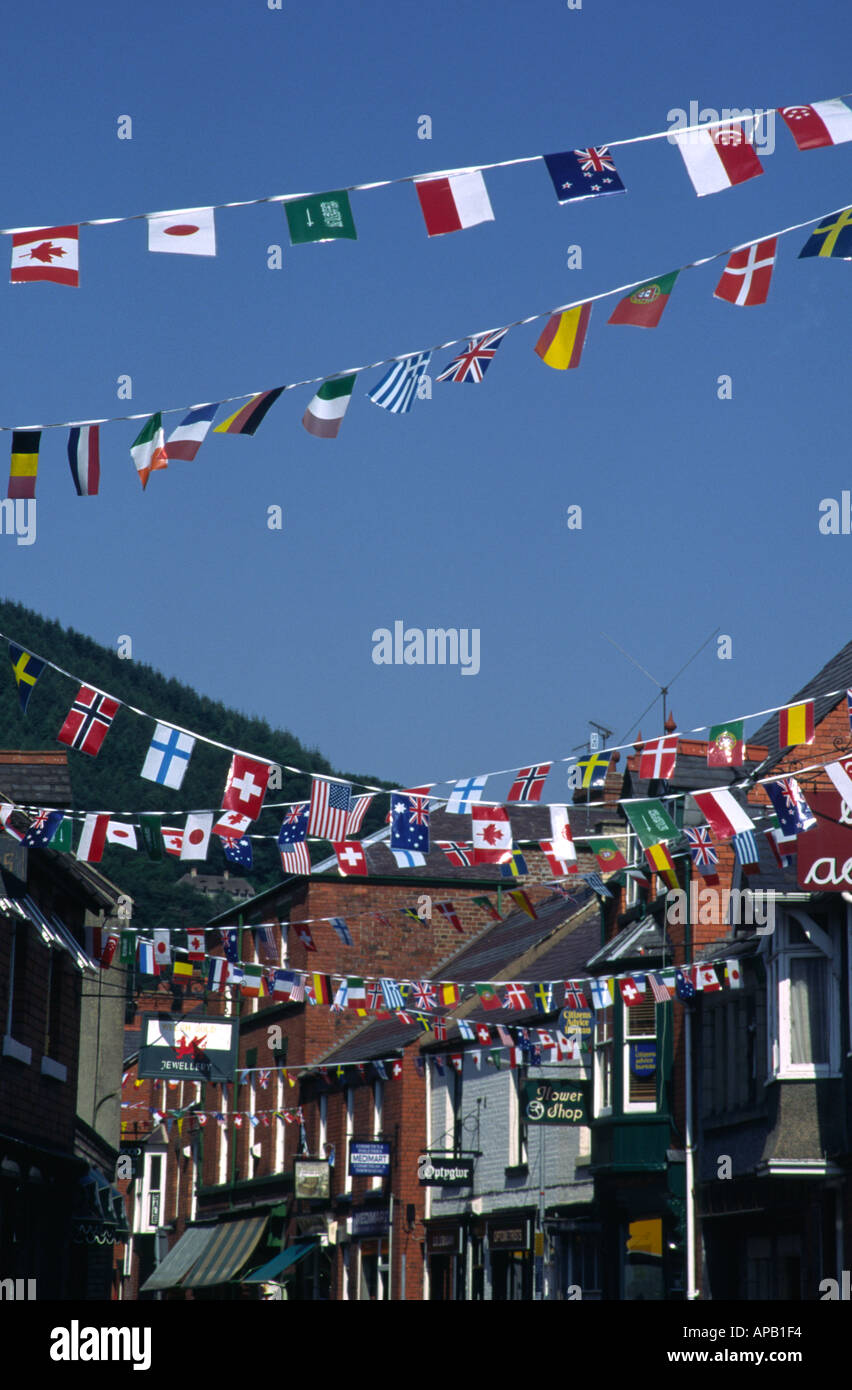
<point x="438" y="347"/>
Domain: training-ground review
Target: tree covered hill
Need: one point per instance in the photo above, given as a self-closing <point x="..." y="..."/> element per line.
<point x="112" y="782"/>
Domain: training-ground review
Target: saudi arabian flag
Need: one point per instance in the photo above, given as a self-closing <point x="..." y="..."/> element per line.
<point x="325" y="413"/>
<point x="62" y="836"/>
<point x="321" y="217"/>
<point x="148" y="449"/>
<point x="651" y="821"/>
<point x="643" y="307"/>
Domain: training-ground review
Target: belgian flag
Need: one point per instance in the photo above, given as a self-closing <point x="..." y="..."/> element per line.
<point x="22" y="477"/>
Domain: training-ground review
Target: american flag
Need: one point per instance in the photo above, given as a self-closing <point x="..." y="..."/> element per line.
<point x="329" y="809"/>
<point x="296" y="860"/>
<point x="658" y="989"/>
<point x="357" y="812"/>
<point x="473" y="363"/>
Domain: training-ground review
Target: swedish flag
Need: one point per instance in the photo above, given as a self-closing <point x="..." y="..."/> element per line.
<point x="516" y="866"/>
<point x="26" y="669"/>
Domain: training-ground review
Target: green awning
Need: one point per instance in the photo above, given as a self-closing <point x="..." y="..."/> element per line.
<point x="180" y="1259"/>
<point x="232" y="1245"/>
<point x="269" y="1272"/>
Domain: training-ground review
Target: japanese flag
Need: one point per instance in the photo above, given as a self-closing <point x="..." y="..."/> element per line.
<point x="192" y="233"/>
<point x="120" y="834"/>
<point x="196" y="835"/>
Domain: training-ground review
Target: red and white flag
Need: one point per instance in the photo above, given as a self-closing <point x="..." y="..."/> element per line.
<point x="706" y="978"/>
<point x="119" y="833"/>
<point x="839" y="774"/>
<point x="296" y="859"/>
<point x="196" y="835"/>
<point x="330" y="802"/>
<point x="657" y="759"/>
<point x="561" y="839"/>
<point x="357" y="811"/>
<point x="448" y="912"/>
<point x="745" y="279"/>
<point x="630" y="991"/>
<point x="492" y="835"/>
<point x="453" y="203"/>
<point x="93" y="838"/>
<point x="723" y="813"/>
<point x="195" y="945"/>
<point x="231" y="825"/>
<point x="717" y="157"/>
<point x="192" y="232"/>
<point x="88" y="720"/>
<point x="304" y="934"/>
<point x="162" y="945"/>
<point x="109" y="950"/>
<point x="49" y="254"/>
<point x="172" y="840"/>
<point x="351" y="858"/>
<point x="558" y="867"/>
<point x="820" y="123"/>
<point x="734" y="974"/>
<point x="246" y="786"/>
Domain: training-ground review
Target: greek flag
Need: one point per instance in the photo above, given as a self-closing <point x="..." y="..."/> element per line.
<point x="392" y="994"/>
<point x="396" y="390"/>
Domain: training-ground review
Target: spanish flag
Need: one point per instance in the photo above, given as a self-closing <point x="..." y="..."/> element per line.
<point x="662" y="863"/>
<point x="448" y="994"/>
<point x="561" y="343"/>
<point x="796" y="725"/>
<point x="22" y="476"/>
<point x="249" y="416"/>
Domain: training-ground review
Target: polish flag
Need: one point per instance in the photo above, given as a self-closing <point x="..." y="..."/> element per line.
<point x="717" y="157"/>
<point x="192" y="232"/>
<point x="723" y="813"/>
<point x="453" y="203"/>
<point x="93" y="838"/>
<point x="745" y="279"/>
<point x="821" y="123"/>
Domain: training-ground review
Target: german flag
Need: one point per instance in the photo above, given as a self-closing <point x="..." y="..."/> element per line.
<point x="22" y="477"/>
<point x="249" y="416"/>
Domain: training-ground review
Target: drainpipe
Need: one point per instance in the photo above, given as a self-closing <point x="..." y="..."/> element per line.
<point x="236" y="1016"/>
<point x="689" y="1173"/>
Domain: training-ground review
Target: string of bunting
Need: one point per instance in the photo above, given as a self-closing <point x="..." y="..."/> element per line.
<point x="717" y="154"/>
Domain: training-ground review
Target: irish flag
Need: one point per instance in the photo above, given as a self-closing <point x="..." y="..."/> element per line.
<point x="148" y="449"/>
<point x="325" y="412"/>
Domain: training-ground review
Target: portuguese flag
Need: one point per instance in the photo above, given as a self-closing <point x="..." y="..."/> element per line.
<point x="725" y="746"/>
<point x="607" y="853"/>
<point x="643" y="307"/>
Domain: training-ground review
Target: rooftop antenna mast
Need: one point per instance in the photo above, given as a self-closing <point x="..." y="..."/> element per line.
<point x="663" y="689"/>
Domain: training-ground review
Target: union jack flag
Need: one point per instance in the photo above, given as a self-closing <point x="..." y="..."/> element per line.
<point x="419" y="810"/>
<point x="473" y="363"/>
<point x="701" y="848"/>
<point x="529" y="782"/>
<point x="596" y="159"/>
<point x="424" y="996"/>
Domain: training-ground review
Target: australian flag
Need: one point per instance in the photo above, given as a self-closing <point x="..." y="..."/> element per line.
<point x="583" y="173"/>
<point x="238" y="851"/>
<point x="793" y="812"/>
<point x="294" y="828"/>
<point x="43" y="828"/>
<point x="409" y="822"/>
<point x="684" y="988"/>
<point x="230" y="939"/>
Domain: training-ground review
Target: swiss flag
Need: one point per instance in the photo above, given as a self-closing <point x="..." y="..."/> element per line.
<point x="483" y="1033"/>
<point x="630" y="992"/>
<point x="351" y="858"/>
<point x="492" y="835"/>
<point x="246" y="786"/>
<point x="396" y="1070"/>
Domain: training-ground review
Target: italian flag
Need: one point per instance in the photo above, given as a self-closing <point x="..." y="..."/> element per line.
<point x="148" y="449"/>
<point x="325" y="413"/>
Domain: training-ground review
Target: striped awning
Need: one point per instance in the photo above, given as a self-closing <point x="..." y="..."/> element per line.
<point x="232" y="1245"/>
<point x="180" y="1259"/>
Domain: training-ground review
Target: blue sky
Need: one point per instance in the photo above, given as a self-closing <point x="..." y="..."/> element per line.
<point x="698" y="514"/>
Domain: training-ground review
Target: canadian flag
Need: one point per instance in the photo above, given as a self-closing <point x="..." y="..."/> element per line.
<point x="561" y="839"/>
<point x="492" y="835"/>
<point x="172" y="840"/>
<point x="231" y="825"/>
<point x="195" y="945"/>
<point x="49" y="254"/>
<point x="706" y="978"/>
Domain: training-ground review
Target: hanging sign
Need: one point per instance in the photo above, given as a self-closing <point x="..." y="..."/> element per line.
<point x="369" y="1160"/>
<point x="562" y="1102"/>
<point x="824" y="854"/>
<point x="188" y="1049"/>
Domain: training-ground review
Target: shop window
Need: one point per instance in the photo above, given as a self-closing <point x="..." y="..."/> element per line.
<point x="603" y="1050"/>
<point x="804" y="999"/>
<point x="640" y="1057"/>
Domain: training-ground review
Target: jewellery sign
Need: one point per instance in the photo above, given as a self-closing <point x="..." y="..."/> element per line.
<point x="824" y="854"/>
<point x="188" y="1049"/>
<point x="556" y="1102"/>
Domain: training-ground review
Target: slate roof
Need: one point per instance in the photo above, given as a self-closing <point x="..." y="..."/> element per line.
<point x="691" y="773"/>
<point x="836" y="675"/>
<point x="35" y="778"/>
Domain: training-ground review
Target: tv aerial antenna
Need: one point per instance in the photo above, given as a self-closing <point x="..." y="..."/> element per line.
<point x="663" y="689"/>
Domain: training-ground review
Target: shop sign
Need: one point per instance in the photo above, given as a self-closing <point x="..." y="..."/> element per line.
<point x="311" y="1179"/>
<point x="508" y="1237"/>
<point x="563" y="1102"/>
<point x="369" y="1160"/>
<point x="438" y="1170"/>
<point x="824" y="854"/>
<point x="372" y="1221"/>
<point x="643" y="1058"/>
<point x="188" y="1049"/>
<point x="576" y="1021"/>
<point x="444" y="1242"/>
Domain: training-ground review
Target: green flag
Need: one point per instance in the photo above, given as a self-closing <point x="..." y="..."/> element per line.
<point x="127" y="948"/>
<point x="62" y="836"/>
<point x="152" y="838"/>
<point x="321" y="217"/>
<point x="651" y="821"/>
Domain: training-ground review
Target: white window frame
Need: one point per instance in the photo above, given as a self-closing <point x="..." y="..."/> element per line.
<point x="349" y="1102"/>
<point x="823" y="946"/>
<point x="599" y="1055"/>
<point x="378" y="1107"/>
<point x="637" y="1107"/>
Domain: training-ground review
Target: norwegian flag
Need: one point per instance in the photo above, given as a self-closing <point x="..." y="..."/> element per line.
<point x="657" y="759"/>
<point x="447" y="910"/>
<point x="88" y="720"/>
<point x="473" y="363"/>
<point x="516" y="997"/>
<point x="575" y="997"/>
<point x="246" y="786"/>
<point x="702" y="852"/>
<point x="460" y="855"/>
<point x="357" y="811"/>
<point x="745" y="279"/>
<point x="528" y="784"/>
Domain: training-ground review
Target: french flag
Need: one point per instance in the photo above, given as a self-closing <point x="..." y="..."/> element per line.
<point x="184" y="442"/>
<point x="85" y="459"/>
